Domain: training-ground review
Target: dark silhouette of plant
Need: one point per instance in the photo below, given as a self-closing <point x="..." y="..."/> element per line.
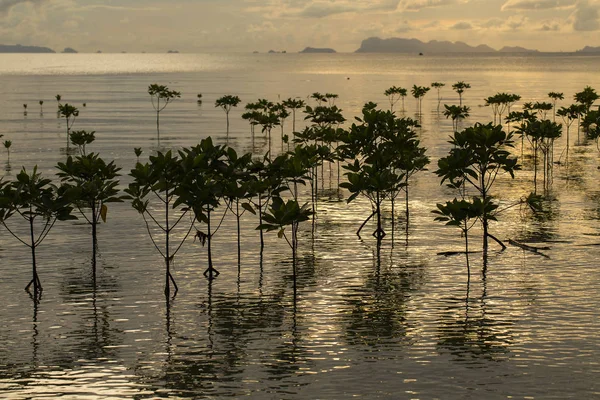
<point x="418" y="93"/>
<point x="138" y="153"/>
<point x="25" y="109"/>
<point x="438" y="86"/>
<point x="456" y="113"/>
<point x="284" y="213"/>
<point x="7" y="144"/>
<point x="331" y="98"/>
<point x="378" y="171"/>
<point x="478" y="155"/>
<point x="294" y="104"/>
<point x="41" y="107"/>
<point x="569" y="115"/>
<point x="92" y="184"/>
<point x="500" y="103"/>
<point x="555" y="96"/>
<point x="265" y="183"/>
<point x="394" y="94"/>
<point x="81" y="139"/>
<point x="282" y="114"/>
<point x="34" y="199"/>
<point x="202" y="187"/>
<point x="158" y="180"/>
<point x="586" y="97"/>
<point x="542" y="109"/>
<point x="227" y="102"/>
<point x="161" y="96"/>
<point x="541" y="134"/>
<point x="463" y="214"/>
<point x="460" y="87"/>
<point x="236" y="189"/>
<point x="69" y="113"/>
<point x="319" y="98"/>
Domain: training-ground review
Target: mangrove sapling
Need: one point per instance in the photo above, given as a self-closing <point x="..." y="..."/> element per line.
<point x="282" y="114"/>
<point x="478" y="155"/>
<point x="92" y="184"/>
<point x="41" y="107"/>
<point x="393" y="95"/>
<point x="542" y="109"/>
<point x="462" y="214"/>
<point x="294" y="104"/>
<point x="58" y="98"/>
<point x="264" y="183"/>
<point x="138" y="153"/>
<point x="236" y="189"/>
<point x="7" y="144"/>
<point x="409" y="157"/>
<point x="202" y="188"/>
<point x="226" y="103"/>
<point x="438" y="86"/>
<point x="268" y="119"/>
<point x="457" y="113"/>
<point x="34" y="199"/>
<point x="282" y="214"/>
<point x="331" y="98"/>
<point x="69" y="113"/>
<point x="25" y="109"/>
<point x="498" y="103"/>
<point x="541" y="135"/>
<point x="158" y="93"/>
<point x="158" y="180"/>
<point x="372" y="174"/>
<point x="555" y="96"/>
<point x="460" y="87"/>
<point x="323" y="119"/>
<point x="586" y="98"/>
<point x="418" y="93"/>
<point x="81" y="139"/>
<point x="568" y="115"/>
<point x="319" y="98"/>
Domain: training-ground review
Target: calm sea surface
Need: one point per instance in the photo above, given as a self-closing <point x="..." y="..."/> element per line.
<point x="399" y="322"/>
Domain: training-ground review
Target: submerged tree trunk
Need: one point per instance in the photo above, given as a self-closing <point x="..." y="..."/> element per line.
<point x="210" y="272"/>
<point x="35" y="280"/>
<point x="260" y="232"/>
<point x="94" y="239"/>
<point x="239" y="248"/>
<point x="167" y="231"/>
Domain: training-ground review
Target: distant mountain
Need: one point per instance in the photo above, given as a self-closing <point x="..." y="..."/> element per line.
<point x="400" y="45"/>
<point x="69" y="50"/>
<point x="17" y="48"/>
<point x="516" y="49"/>
<point x="589" y="49"/>
<point x="317" y="50"/>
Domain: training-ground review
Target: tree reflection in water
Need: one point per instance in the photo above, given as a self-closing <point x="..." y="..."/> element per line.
<point x="470" y="333"/>
<point x="378" y="312"/>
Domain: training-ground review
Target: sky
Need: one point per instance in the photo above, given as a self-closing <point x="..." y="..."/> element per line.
<point x="291" y="25"/>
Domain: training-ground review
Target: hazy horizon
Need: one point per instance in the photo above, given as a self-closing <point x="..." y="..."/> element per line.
<point x="194" y="26"/>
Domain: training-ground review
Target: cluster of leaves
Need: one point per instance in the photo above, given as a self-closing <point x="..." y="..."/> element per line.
<point x="386" y="153"/>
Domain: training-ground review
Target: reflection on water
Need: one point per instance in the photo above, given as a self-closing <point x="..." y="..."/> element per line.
<point x="393" y="320"/>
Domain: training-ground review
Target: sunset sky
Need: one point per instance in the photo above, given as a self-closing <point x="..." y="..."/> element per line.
<point x="247" y="25"/>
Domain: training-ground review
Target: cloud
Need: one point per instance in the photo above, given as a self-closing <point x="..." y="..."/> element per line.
<point x="549" y="27"/>
<point x="462" y="26"/>
<point x="586" y="17"/>
<point x="6" y="5"/>
<point x="537" y="4"/>
<point x="416" y="5"/>
<point x="321" y="10"/>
